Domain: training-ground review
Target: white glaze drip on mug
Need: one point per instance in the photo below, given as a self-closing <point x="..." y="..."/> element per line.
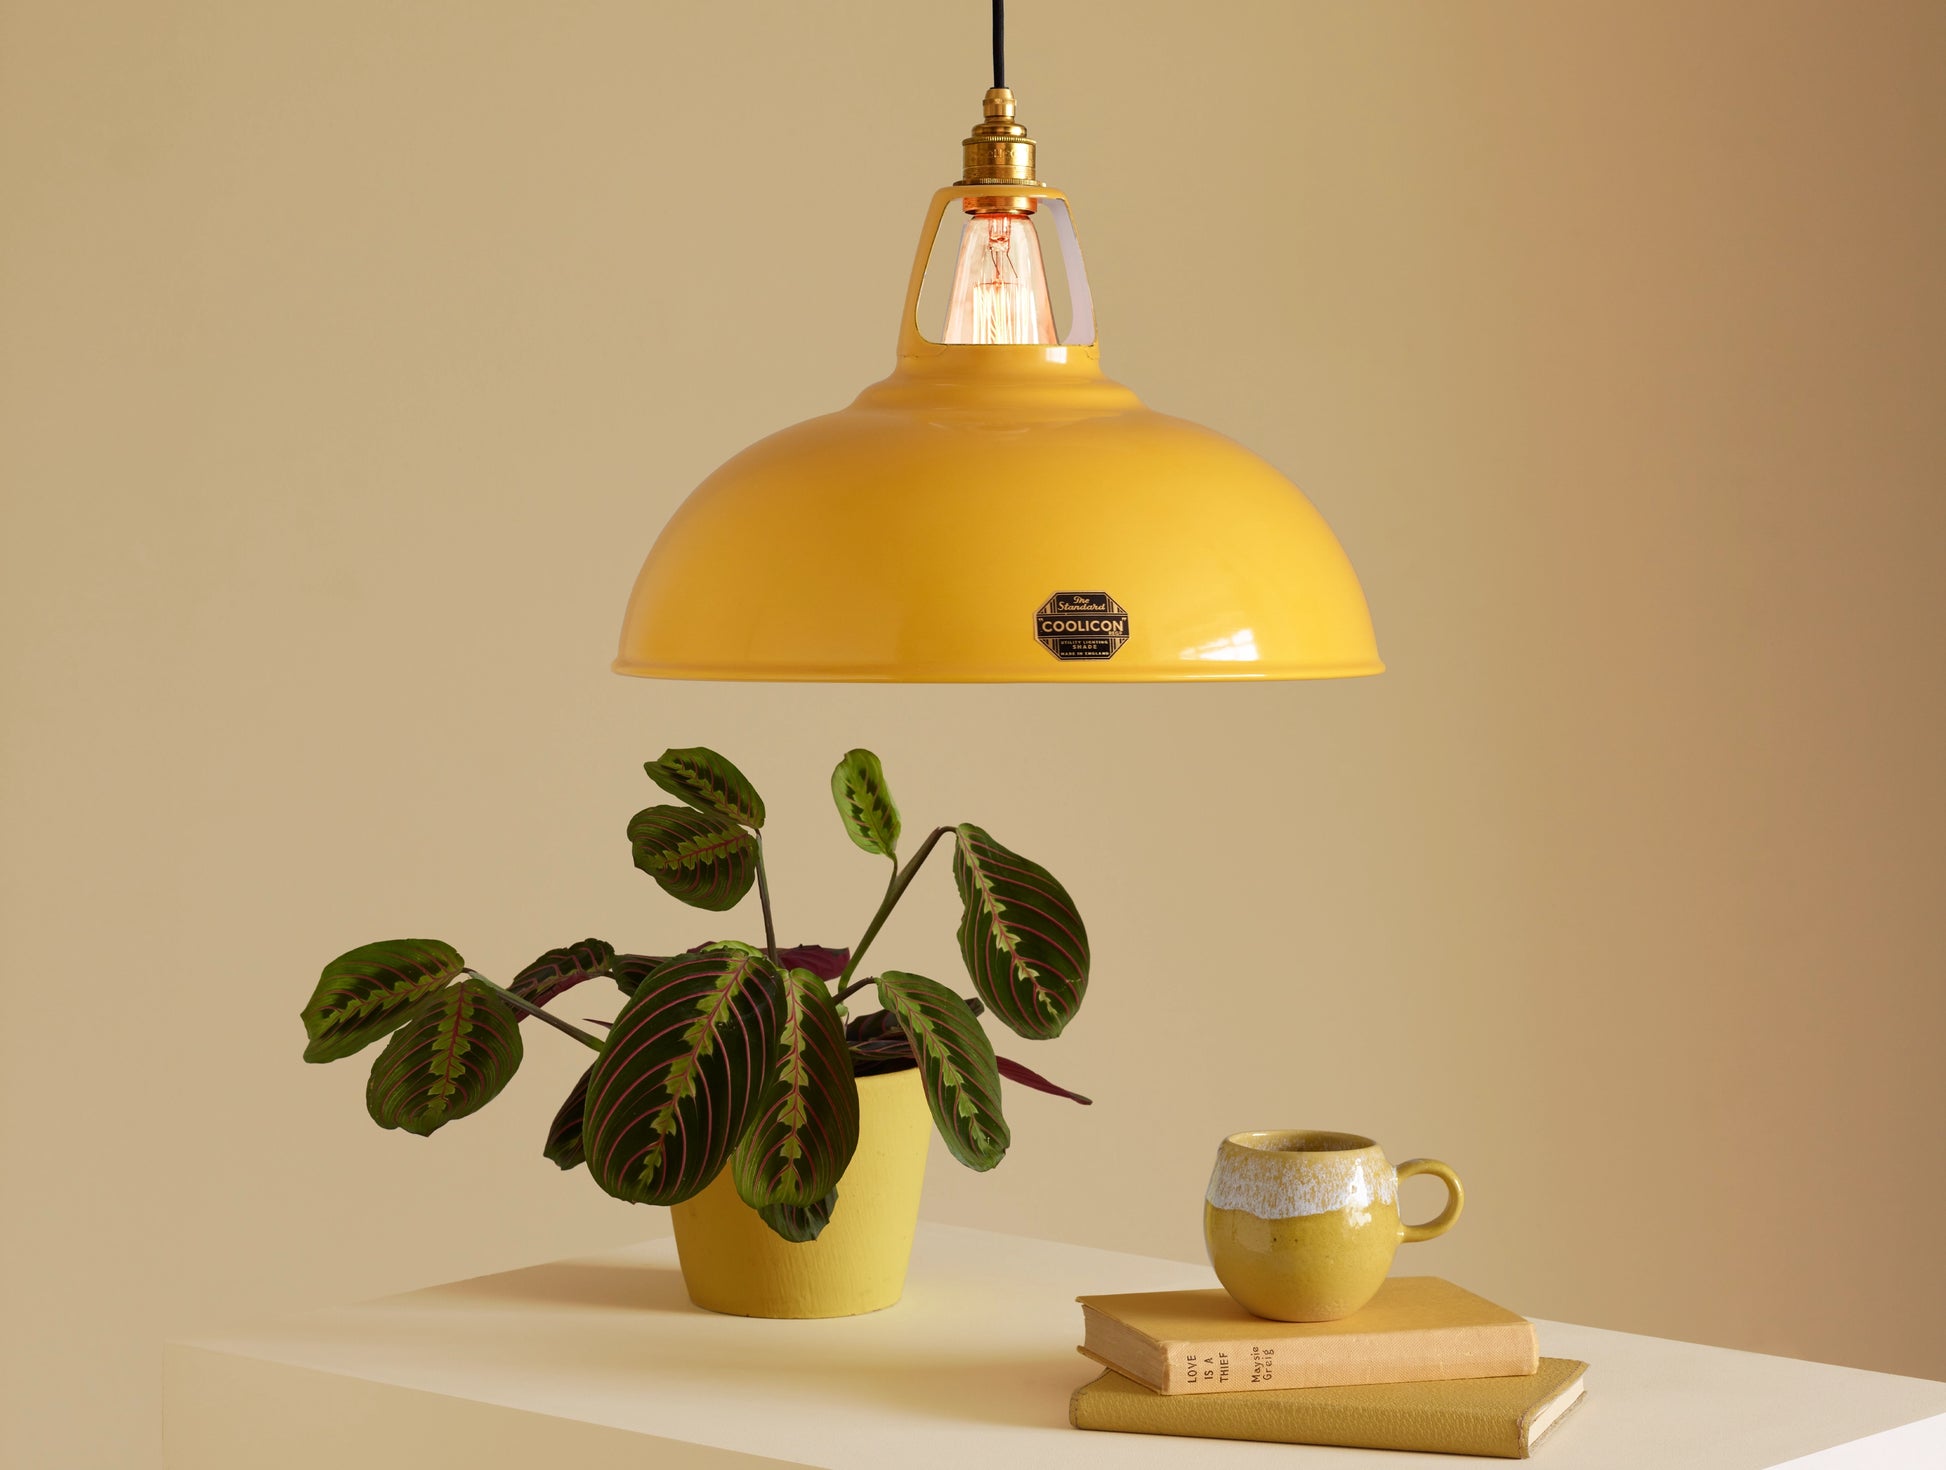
<point x="1274" y="1185"/>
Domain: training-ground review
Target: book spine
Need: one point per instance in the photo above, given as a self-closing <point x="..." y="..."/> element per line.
<point x="1423" y="1430"/>
<point x="1499" y="1351"/>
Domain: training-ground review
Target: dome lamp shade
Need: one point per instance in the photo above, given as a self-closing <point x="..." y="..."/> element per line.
<point x="996" y="510"/>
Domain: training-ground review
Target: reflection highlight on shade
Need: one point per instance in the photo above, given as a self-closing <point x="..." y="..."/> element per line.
<point x="1239" y="647"/>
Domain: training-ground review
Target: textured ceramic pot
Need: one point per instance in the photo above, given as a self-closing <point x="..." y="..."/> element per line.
<point x="1302" y="1225"/>
<point x="733" y="1262"/>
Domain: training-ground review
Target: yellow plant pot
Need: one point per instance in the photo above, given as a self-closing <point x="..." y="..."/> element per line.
<point x="732" y="1262"/>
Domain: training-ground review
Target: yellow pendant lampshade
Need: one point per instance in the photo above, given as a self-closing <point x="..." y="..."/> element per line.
<point x="996" y="510"/>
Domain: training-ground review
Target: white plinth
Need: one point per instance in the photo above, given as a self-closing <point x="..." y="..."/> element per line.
<point x="599" y="1363"/>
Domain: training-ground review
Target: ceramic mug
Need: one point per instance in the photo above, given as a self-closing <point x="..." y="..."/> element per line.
<point x="1302" y="1225"/>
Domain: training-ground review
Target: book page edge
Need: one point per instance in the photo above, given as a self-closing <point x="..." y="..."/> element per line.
<point x="1547" y="1417"/>
<point x="1116" y="1368"/>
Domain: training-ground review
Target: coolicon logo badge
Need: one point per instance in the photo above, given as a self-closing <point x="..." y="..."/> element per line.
<point x="1081" y="625"/>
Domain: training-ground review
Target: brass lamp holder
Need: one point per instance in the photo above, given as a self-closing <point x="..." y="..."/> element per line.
<point x="998" y="152"/>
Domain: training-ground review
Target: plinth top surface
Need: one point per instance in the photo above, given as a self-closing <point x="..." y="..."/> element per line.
<point x="975" y="1366"/>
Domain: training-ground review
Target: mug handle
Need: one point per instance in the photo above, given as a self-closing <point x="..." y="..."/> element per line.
<point x="1455" y="1200"/>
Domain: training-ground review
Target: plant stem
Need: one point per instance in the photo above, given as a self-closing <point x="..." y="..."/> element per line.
<point x="523" y="1004"/>
<point x="894" y="891"/>
<point x="871" y="933"/>
<point x="763" y="898"/>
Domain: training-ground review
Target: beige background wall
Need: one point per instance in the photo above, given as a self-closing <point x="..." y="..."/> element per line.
<point x="351" y="354"/>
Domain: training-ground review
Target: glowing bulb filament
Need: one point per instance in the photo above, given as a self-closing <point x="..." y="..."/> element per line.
<point x="1000" y="284"/>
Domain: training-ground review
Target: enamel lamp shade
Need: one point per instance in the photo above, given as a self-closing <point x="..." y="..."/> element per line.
<point x="996" y="510"/>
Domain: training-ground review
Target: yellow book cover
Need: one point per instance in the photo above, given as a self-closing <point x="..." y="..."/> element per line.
<point x="1416" y="1328"/>
<point x="1502" y="1417"/>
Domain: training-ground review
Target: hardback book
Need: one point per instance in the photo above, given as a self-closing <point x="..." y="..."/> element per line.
<point x="1503" y="1417"/>
<point x="1416" y="1328"/>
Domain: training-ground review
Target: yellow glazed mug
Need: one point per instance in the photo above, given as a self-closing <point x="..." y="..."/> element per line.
<point x="1302" y="1225"/>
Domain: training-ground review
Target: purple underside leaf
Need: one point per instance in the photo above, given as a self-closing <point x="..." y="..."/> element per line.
<point x="1028" y="1077"/>
<point x="825" y="963"/>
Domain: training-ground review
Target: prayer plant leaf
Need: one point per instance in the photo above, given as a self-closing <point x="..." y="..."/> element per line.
<point x="807" y="1124"/>
<point x="956" y="1063"/>
<point x="872" y="1026"/>
<point x="452" y="1056"/>
<point x="686" y="1067"/>
<point x="564" y="1133"/>
<point x="858" y="786"/>
<point x="560" y="970"/>
<point x="365" y="993"/>
<point x="877" y="1044"/>
<point x="1013" y="1071"/>
<point x="628" y="971"/>
<point x="708" y="782"/>
<point x="824" y="962"/>
<point x="704" y="859"/>
<point x="1021" y="937"/>
<point x="799" y="1223"/>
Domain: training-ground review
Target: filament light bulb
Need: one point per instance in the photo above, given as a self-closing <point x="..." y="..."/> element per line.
<point x="1000" y="284"/>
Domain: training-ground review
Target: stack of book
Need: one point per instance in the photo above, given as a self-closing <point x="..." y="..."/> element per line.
<point x="1424" y="1366"/>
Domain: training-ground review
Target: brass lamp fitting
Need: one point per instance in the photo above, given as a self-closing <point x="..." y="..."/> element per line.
<point x="998" y="152"/>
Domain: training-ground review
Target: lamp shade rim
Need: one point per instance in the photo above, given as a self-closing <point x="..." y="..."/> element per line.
<point x="1106" y="673"/>
<point x="999" y="528"/>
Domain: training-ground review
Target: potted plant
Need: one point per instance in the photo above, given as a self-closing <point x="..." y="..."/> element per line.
<point x="736" y="1084"/>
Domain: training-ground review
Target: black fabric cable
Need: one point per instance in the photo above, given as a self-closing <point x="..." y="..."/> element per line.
<point x="999" y="43"/>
